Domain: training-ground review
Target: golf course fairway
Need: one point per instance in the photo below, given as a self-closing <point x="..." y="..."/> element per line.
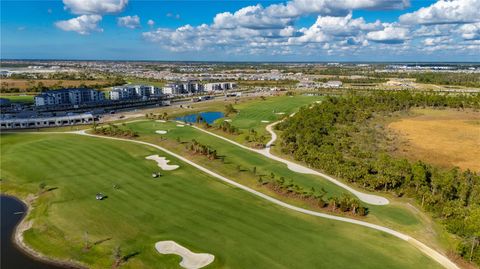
<point x="183" y="205"/>
<point x="393" y="216"/>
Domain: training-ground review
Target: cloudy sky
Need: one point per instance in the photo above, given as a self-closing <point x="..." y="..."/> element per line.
<point x="234" y="30"/>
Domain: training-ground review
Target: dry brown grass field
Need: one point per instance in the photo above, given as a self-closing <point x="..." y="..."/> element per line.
<point x="443" y="137"/>
<point x="23" y="84"/>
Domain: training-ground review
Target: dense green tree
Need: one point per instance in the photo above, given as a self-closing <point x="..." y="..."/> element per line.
<point x="340" y="137"/>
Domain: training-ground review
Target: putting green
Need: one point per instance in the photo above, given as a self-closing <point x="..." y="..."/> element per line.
<point x="184" y="205"/>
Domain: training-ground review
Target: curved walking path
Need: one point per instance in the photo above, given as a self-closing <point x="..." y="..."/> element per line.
<point x="364" y="197"/>
<point x="435" y="255"/>
<point x="419" y="245"/>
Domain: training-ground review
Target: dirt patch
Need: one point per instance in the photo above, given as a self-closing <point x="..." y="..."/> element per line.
<point x="444" y="137"/>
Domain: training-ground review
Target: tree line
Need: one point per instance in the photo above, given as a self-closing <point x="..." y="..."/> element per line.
<point x="345" y="203"/>
<point x="197" y="148"/>
<point x="338" y="137"/>
<point x="115" y="130"/>
<point x="227" y="127"/>
<point x="160" y="116"/>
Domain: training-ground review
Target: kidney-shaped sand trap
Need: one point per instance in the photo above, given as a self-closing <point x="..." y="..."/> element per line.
<point x="161" y="121"/>
<point x="161" y="132"/>
<point x="190" y="260"/>
<point x="162" y="162"/>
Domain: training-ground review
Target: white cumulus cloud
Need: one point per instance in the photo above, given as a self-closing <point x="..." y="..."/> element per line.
<point x="95" y="6"/>
<point x="83" y="25"/>
<point x="390" y="35"/>
<point x="329" y="28"/>
<point x="445" y="11"/>
<point x="470" y="31"/>
<point x="131" y="22"/>
<point x="253" y="17"/>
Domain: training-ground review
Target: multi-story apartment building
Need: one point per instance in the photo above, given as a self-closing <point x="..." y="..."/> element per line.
<point x="220" y="86"/>
<point x="134" y="92"/>
<point x="185" y="87"/>
<point x="74" y="96"/>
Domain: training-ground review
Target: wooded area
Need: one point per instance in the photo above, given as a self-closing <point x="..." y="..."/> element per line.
<point x="340" y="136"/>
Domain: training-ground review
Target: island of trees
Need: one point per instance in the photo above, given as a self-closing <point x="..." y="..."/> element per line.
<point x="340" y="136"/>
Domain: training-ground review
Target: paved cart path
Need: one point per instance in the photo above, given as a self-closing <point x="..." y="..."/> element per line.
<point x="435" y="255"/>
<point x="364" y="197"/>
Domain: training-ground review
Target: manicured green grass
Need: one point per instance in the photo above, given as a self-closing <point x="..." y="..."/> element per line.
<point x="234" y="156"/>
<point x="19" y="98"/>
<point x="392" y="215"/>
<point x="184" y="205"/>
<point x="251" y="114"/>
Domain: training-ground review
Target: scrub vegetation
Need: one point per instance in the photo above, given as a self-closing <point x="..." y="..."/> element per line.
<point x="418" y="135"/>
<point x="340" y="137"/>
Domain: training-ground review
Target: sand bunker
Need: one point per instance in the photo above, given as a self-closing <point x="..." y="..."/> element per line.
<point x="162" y="162"/>
<point x="180" y="125"/>
<point x="162" y="121"/>
<point x="179" y="121"/>
<point x="228" y="120"/>
<point x="280" y="113"/>
<point x="161" y="132"/>
<point x="190" y="260"/>
<point x="265" y="121"/>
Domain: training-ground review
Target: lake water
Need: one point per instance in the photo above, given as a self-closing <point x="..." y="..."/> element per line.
<point x="209" y="117"/>
<point x="12" y="211"/>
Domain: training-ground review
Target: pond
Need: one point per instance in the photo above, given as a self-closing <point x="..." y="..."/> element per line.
<point x="12" y="212"/>
<point x="208" y="117"/>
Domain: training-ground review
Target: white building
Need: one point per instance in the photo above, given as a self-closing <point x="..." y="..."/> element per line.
<point x="220" y="86"/>
<point x="333" y="84"/>
<point x="134" y="91"/>
<point x="75" y="96"/>
<point x="172" y="89"/>
<point x="186" y="87"/>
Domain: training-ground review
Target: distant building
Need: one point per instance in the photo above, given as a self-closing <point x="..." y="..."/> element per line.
<point x="307" y="84"/>
<point x="192" y="86"/>
<point x="73" y="96"/>
<point x="220" y="86"/>
<point x="333" y="84"/>
<point x="173" y="89"/>
<point x="5" y="73"/>
<point x="134" y="92"/>
<point x="183" y="87"/>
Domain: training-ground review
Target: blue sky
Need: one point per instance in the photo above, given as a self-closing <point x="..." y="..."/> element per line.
<point x="229" y="30"/>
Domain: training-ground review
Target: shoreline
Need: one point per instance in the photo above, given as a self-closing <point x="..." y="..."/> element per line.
<point x="18" y="239"/>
